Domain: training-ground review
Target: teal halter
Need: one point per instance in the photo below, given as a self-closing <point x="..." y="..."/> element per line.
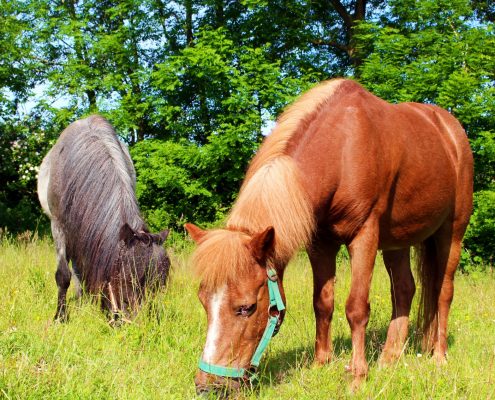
<point x="273" y="322"/>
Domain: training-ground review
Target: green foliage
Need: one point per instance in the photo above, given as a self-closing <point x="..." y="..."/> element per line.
<point x="215" y="85"/>
<point x="431" y="51"/>
<point x="171" y="184"/>
<point x="219" y="97"/>
<point x="21" y="152"/>
<point x="205" y="79"/>
<point x="480" y="236"/>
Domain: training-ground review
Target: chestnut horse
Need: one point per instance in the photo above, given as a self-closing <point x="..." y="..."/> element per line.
<point x="340" y="167"/>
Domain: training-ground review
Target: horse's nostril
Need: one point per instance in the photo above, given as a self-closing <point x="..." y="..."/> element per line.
<point x="202" y="391"/>
<point x="213" y="392"/>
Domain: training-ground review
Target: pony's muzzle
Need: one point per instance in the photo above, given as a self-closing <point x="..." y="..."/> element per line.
<point x="219" y="386"/>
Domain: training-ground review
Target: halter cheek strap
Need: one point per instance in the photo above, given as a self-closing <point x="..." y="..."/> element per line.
<point x="277" y="303"/>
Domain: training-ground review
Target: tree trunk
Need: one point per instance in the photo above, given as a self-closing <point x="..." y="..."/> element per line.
<point x="189" y="24"/>
<point x="349" y="20"/>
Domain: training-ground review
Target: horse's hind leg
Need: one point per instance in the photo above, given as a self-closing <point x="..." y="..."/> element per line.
<point x="322" y="257"/>
<point x="397" y="263"/>
<point x="448" y="253"/>
<point x="63" y="274"/>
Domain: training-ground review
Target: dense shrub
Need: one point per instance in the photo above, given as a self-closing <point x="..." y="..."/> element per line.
<point x="479" y="241"/>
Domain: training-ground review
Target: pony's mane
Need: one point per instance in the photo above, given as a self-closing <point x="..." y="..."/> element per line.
<point x="97" y="196"/>
<point x="221" y="256"/>
<point x="272" y="194"/>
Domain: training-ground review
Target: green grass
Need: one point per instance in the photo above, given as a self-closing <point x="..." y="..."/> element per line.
<point x="156" y="356"/>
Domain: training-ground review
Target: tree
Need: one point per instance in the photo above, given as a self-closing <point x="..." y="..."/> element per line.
<point x="441" y="52"/>
<point x="215" y="100"/>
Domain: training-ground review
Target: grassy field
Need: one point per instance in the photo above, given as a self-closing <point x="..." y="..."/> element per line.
<point x="156" y="356"/>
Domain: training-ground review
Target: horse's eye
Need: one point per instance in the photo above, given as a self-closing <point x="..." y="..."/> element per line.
<point x="246" y="310"/>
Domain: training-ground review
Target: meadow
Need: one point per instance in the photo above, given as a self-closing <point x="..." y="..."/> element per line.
<point x="155" y="357"/>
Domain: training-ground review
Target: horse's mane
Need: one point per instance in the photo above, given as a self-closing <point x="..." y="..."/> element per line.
<point x="221" y="256"/>
<point x="272" y="194"/>
<point x="96" y="196"/>
<point x="293" y="120"/>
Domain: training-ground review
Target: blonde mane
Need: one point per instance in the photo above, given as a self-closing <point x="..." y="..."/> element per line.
<point x="294" y="119"/>
<point x="272" y="194"/>
<point x="221" y="256"/>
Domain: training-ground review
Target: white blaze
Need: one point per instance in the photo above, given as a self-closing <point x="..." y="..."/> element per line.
<point x="214" y="326"/>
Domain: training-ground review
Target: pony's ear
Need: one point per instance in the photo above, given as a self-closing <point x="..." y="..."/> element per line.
<point x="162" y="236"/>
<point x="127" y="234"/>
<point x="195" y="232"/>
<point x="263" y="244"/>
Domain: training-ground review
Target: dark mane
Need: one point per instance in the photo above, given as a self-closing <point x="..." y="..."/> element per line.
<point x="97" y="197"/>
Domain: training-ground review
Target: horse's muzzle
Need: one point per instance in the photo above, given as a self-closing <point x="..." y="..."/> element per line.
<point x="219" y="386"/>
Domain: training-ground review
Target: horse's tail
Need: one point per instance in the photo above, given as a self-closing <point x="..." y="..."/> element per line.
<point x="428" y="307"/>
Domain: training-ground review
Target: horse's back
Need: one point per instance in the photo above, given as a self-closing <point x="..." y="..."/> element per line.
<point x="405" y="165"/>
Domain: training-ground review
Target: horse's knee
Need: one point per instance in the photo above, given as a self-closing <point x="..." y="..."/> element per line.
<point x="323" y="305"/>
<point x="357" y="313"/>
<point x="409" y="289"/>
<point x="404" y="294"/>
<point x="62" y="277"/>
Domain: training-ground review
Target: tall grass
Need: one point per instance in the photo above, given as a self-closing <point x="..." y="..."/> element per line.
<point x="155" y="357"/>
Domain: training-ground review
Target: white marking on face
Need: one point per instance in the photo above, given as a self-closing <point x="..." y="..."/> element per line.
<point x="214" y="326"/>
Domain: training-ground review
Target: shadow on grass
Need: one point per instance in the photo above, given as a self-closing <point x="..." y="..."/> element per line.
<point x="282" y="366"/>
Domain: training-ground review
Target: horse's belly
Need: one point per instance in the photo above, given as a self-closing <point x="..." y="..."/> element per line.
<point x="411" y="220"/>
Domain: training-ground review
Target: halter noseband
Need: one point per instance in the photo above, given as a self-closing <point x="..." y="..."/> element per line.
<point x="270" y="330"/>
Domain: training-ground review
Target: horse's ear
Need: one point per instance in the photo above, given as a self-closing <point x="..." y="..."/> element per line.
<point x="195" y="232"/>
<point x="263" y="244"/>
<point x="127" y="234"/>
<point x="162" y="236"/>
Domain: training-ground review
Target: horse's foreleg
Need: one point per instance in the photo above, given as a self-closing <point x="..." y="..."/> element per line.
<point x="402" y="287"/>
<point x="323" y="264"/>
<point x="63" y="274"/>
<point x="362" y="250"/>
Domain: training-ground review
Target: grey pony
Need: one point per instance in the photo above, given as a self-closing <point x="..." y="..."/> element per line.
<point x="86" y="185"/>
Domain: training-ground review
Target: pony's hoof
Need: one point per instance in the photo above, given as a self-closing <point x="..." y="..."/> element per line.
<point x="356" y="384"/>
<point x="440" y="359"/>
<point x="115" y="323"/>
<point x="319" y="361"/>
<point x="60" y="319"/>
<point x="387" y="360"/>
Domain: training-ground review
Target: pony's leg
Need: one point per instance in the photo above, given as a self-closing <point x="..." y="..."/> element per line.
<point x="398" y="265"/>
<point x="63" y="274"/>
<point x="76" y="277"/>
<point x="448" y="253"/>
<point x="362" y="250"/>
<point x="322" y="259"/>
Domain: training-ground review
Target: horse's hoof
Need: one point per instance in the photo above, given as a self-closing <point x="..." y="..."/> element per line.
<point x="387" y="360"/>
<point x="60" y="319"/>
<point x="322" y="360"/>
<point x="356" y="384"/>
<point x="440" y="359"/>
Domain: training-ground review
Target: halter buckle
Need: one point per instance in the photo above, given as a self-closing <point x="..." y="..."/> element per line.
<point x="272" y="274"/>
